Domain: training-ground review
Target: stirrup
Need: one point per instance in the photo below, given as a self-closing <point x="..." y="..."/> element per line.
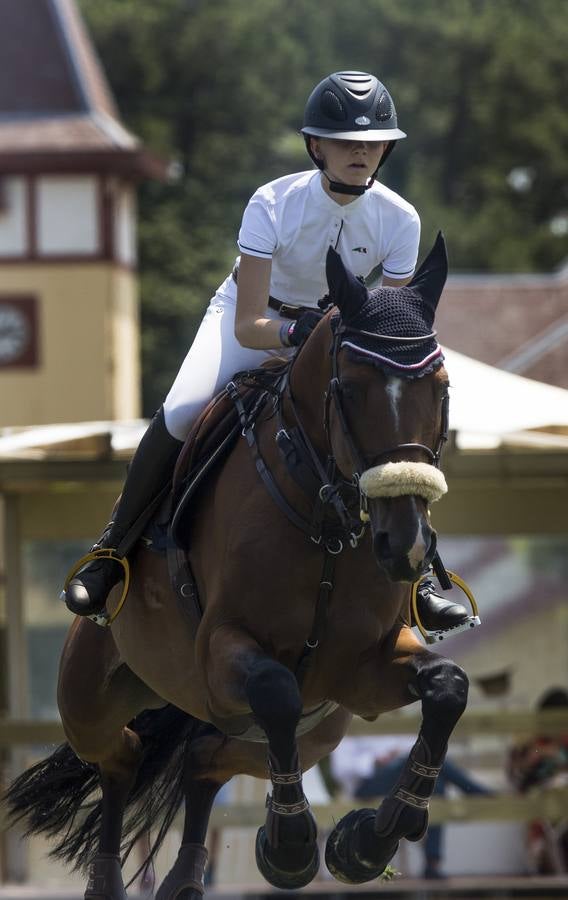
<point x="102" y="618"/>
<point x="432" y="637"/>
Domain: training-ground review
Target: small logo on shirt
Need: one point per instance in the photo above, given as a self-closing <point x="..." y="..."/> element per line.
<point x="359" y="249"/>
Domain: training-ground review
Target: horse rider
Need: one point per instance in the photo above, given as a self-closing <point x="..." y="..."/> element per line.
<point x="350" y="128"/>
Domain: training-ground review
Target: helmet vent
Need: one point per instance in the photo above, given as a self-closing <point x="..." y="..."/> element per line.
<point x="358" y="84"/>
<point x="384" y="109"/>
<point x="332" y="107"/>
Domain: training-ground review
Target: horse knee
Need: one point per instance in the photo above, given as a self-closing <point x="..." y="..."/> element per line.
<point x="274" y="696"/>
<point x="443" y="687"/>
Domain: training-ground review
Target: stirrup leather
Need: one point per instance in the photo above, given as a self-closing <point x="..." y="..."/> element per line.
<point x="432" y="637"/>
<point x="103" y="618"/>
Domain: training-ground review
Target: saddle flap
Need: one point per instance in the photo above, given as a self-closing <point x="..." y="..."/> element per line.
<point x="212" y="426"/>
<point x="213" y="436"/>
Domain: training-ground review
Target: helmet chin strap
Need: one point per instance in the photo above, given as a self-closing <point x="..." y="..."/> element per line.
<point x="355" y="190"/>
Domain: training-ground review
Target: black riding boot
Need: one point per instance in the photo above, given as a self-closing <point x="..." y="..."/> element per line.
<point x="436" y="613"/>
<point x="150" y="470"/>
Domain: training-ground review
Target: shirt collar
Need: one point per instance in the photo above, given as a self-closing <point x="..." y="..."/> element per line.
<point x="324" y="201"/>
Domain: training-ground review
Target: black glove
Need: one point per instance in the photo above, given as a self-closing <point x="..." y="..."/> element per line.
<point x="301" y="329"/>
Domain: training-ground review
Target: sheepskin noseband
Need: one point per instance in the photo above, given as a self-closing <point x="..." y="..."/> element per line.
<point x="400" y="478"/>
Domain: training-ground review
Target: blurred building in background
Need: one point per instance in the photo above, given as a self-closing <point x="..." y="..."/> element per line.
<point x="69" y="327"/>
<point x="69" y="333"/>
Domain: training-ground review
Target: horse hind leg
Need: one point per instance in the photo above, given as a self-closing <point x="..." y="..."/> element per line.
<point x="117" y="774"/>
<point x="97" y="696"/>
<point x="185" y="880"/>
<point x="286" y="847"/>
<point x="364" y="841"/>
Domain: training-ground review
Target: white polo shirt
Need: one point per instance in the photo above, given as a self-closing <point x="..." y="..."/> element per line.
<point x="292" y="221"/>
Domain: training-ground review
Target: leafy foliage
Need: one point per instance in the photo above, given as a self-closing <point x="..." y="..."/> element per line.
<point x="219" y="89"/>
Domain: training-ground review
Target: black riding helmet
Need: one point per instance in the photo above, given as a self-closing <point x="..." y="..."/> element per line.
<point x="351" y="106"/>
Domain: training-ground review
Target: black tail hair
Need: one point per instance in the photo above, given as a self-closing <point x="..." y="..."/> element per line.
<point x="60" y="796"/>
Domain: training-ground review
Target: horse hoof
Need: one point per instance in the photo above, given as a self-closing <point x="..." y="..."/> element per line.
<point x="342" y="850"/>
<point x="288" y="880"/>
<point x="105" y="879"/>
<point x="185" y="880"/>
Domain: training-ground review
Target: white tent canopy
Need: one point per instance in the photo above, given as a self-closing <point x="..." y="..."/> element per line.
<point x="489" y="406"/>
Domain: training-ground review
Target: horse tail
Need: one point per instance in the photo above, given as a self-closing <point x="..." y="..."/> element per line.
<point x="60" y="797"/>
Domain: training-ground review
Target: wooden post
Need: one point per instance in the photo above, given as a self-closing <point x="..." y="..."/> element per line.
<point x="16" y="868"/>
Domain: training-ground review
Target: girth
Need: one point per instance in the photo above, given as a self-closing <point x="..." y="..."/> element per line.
<point x="245" y="728"/>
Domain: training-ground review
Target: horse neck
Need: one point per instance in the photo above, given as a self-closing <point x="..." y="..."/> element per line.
<point x="309" y="381"/>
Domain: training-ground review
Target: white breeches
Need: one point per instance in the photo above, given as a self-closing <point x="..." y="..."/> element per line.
<point x="213" y="359"/>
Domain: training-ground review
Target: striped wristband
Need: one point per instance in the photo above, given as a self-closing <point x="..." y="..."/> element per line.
<point x="285" y="330"/>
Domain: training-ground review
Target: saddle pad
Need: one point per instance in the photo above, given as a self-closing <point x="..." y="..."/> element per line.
<point x="218" y="418"/>
<point x="210" y="429"/>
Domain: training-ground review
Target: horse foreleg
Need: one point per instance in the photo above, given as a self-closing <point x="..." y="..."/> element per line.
<point x="442" y="687"/>
<point x="286" y="847"/>
<point x="244" y="679"/>
<point x="364" y="841"/>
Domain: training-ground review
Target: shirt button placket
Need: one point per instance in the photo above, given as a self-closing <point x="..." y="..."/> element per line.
<point x="334" y="231"/>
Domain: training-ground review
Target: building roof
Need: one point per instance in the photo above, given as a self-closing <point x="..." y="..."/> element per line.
<point x="56" y="107"/>
<point x="515" y="322"/>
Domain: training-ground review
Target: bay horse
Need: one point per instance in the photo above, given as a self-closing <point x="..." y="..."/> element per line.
<point x="304" y="578"/>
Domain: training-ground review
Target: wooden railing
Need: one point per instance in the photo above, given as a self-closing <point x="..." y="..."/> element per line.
<point x="551" y="804"/>
<point x="474" y="723"/>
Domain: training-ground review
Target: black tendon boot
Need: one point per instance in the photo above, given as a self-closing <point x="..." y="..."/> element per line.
<point x="149" y="472"/>
<point x="436" y="613"/>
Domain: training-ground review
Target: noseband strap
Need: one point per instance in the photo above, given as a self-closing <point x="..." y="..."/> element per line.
<point x="402" y="478"/>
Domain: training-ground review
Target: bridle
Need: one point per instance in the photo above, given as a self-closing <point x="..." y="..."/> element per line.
<point x="334" y="395"/>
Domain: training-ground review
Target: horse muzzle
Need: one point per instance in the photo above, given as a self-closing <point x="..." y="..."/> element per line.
<point x="402" y="559"/>
<point x="404" y="543"/>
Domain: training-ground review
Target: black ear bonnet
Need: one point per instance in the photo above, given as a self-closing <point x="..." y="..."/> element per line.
<point x="388" y="312"/>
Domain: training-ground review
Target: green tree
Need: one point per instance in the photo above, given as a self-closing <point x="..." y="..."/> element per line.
<point x="219" y="89"/>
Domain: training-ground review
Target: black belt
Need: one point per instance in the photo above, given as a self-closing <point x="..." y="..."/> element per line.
<point x="286" y="310"/>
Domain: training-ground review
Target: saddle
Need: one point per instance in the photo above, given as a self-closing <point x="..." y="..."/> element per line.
<point x="211" y="439"/>
<point x="215" y="433"/>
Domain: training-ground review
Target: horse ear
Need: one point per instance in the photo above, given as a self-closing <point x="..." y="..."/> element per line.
<point x="429" y="280"/>
<point x="345" y="290"/>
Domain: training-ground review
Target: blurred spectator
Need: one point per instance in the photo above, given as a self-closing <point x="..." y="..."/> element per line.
<point x="542" y="761"/>
<point x="355" y="757"/>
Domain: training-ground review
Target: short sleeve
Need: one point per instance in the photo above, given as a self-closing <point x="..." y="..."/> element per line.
<point x="257" y="235"/>
<point x="402" y="255"/>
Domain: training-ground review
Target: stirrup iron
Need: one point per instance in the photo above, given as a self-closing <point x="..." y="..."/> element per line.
<point x="432" y="637"/>
<point x="102" y="618"/>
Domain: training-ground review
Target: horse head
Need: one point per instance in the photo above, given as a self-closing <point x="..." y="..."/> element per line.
<point x="387" y="406"/>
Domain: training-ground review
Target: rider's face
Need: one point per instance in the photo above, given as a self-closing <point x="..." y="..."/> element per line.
<point x="352" y="162"/>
